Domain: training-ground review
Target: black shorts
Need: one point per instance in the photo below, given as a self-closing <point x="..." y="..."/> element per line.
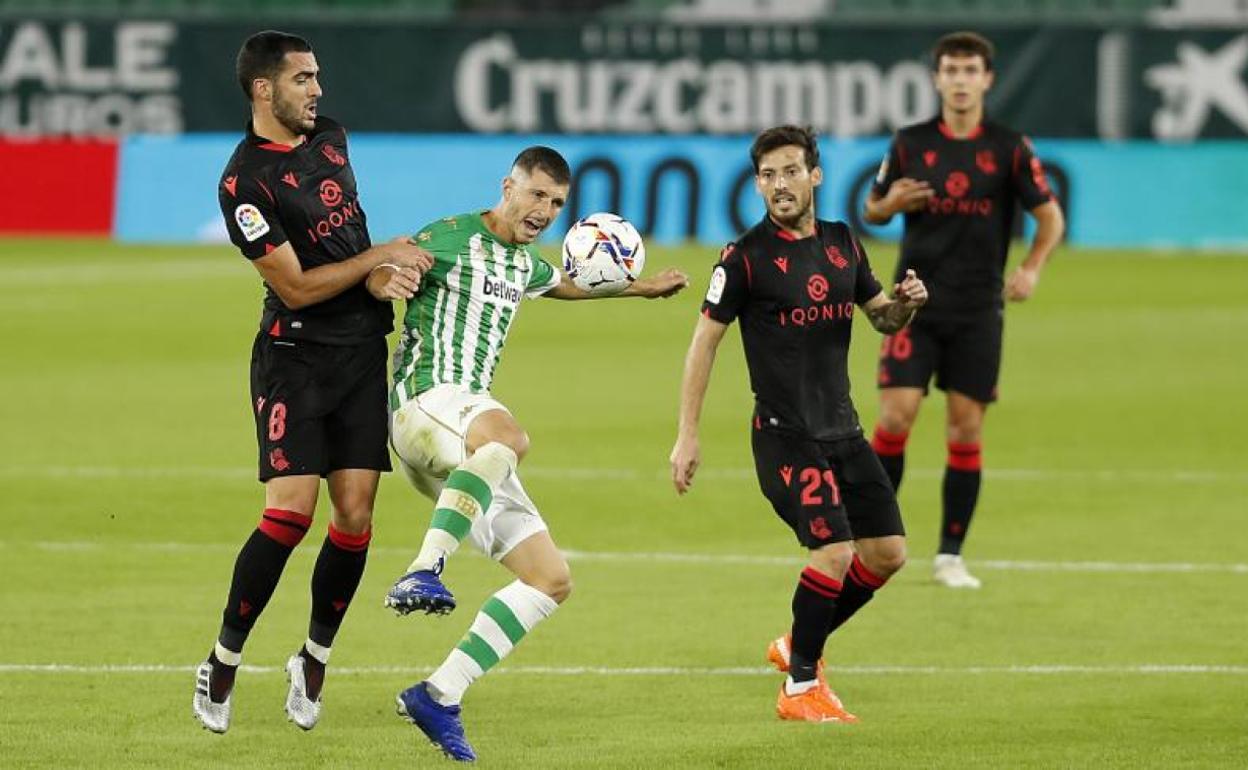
<point x="319" y="408"/>
<point x="964" y="354"/>
<point x="826" y="491"/>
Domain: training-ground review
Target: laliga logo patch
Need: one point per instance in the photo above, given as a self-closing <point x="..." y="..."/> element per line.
<point x="715" y="292"/>
<point x="250" y="222"/>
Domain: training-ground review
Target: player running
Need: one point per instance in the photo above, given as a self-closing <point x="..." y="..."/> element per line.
<point x="460" y="447"/>
<point x="956" y="178"/>
<point x="793" y="281"/>
<point x="318" y="366"/>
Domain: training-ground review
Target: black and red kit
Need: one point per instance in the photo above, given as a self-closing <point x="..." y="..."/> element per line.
<point x="318" y="372"/>
<point x="795" y="299"/>
<point x="958" y="246"/>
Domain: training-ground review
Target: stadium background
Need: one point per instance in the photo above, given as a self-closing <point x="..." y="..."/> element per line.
<point x="1110" y="629"/>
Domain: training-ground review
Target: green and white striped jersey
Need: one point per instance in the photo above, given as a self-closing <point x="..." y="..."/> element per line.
<point x="455" y="326"/>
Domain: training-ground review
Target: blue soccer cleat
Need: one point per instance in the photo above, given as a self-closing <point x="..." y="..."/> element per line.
<point x="421" y="590"/>
<point x="440" y="724"/>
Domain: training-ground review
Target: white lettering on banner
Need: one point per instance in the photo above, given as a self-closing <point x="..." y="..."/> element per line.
<point x="685" y="95"/>
<point x="78" y="91"/>
<point x="1195" y="85"/>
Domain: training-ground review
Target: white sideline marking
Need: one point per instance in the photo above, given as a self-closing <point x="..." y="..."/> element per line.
<point x="1002" y="565"/>
<point x="1136" y="475"/>
<point x="1143" y="669"/>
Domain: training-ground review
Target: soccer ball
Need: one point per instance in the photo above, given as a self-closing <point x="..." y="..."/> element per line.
<point x="603" y="254"/>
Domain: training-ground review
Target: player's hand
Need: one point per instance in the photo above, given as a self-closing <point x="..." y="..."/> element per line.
<point x="399" y="283"/>
<point x="685" y="459"/>
<point x="1021" y="284"/>
<point x="908" y="195"/>
<point x="404" y="252"/>
<point x="911" y="292"/>
<point x="668" y="283"/>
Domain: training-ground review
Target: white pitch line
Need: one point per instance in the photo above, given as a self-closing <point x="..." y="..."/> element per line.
<point x="710" y="559"/>
<point x="867" y="670"/>
<point x="1127" y="475"/>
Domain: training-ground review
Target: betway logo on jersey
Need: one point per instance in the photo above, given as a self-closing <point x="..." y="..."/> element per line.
<point x="497" y="290"/>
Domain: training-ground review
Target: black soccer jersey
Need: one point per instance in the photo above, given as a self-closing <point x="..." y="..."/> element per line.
<point x="272" y="193"/>
<point x="795" y="299"/>
<point x="958" y="244"/>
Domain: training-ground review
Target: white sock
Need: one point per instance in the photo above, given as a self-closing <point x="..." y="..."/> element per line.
<point x="503" y="621"/>
<point x="318" y="651"/>
<point x="467" y="495"/>
<point x="227" y="656"/>
<point x="797" y="688"/>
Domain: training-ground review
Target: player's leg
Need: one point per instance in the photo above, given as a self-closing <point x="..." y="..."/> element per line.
<point x="289" y="431"/>
<point x="512" y="532"/>
<point x="488" y="444"/>
<point x="968" y="375"/>
<point x="798" y="483"/>
<point x="907" y="360"/>
<point x="960" y="488"/>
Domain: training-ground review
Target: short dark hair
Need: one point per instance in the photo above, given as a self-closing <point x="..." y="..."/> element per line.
<point x="783" y="136"/>
<point x="963" y="44"/>
<point x="262" y="54"/>
<point x="547" y="160"/>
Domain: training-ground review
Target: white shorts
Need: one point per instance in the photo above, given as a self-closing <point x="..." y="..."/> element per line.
<point x="428" y="434"/>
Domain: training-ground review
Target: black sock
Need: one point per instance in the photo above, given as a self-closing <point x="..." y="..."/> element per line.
<point x="337" y="574"/>
<point x="814" y="604"/>
<point x="891" y="449"/>
<point x="256" y="571"/>
<point x="860" y="586"/>
<point x="960" y="492"/>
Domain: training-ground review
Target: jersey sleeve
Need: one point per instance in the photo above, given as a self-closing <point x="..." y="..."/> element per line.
<point x="729" y="288"/>
<point x="866" y="285"/>
<point x="890" y="168"/>
<point x="1030" y="184"/>
<point x="543" y="278"/>
<point x="250" y="216"/>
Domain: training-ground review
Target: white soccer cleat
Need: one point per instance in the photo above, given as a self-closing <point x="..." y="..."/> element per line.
<point x="300" y="709"/>
<point x="213" y="716"/>
<point x="950" y="571"/>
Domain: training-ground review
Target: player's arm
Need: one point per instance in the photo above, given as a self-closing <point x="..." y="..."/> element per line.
<point x="1050" y="227"/>
<point x="665" y="284"/>
<point x="904" y="195"/>
<point x="299" y="288"/>
<point x="890" y="316"/>
<point x="686" y="455"/>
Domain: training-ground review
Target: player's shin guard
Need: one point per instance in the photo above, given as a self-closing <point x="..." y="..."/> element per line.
<point x="959" y="492"/>
<point x="256" y="571"/>
<point x="503" y="621"/>
<point x="339" y="567"/>
<point x="860" y="586"/>
<point x="814" y="604"/>
<point x="891" y="449"/>
<point x="467" y="494"/>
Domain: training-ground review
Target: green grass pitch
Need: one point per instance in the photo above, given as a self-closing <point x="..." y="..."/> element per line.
<point x="1110" y="631"/>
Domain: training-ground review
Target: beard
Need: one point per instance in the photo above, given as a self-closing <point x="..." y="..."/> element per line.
<point x="290" y="115"/>
<point x="794" y="214"/>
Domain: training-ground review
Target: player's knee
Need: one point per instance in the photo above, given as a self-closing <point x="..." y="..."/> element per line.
<point x="354" y="517"/>
<point x="886" y="561"/>
<point x="555" y="582"/>
<point x="832" y="560"/>
<point x="897" y="420"/>
<point x="518" y="441"/>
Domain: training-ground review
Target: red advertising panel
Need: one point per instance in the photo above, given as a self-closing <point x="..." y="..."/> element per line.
<point x="58" y="186"/>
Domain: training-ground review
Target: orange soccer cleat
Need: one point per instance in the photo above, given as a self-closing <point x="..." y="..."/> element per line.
<point x="779" y="651"/>
<point x="818" y="704"/>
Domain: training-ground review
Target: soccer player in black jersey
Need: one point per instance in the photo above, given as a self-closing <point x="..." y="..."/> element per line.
<point x="793" y="282"/>
<point x="318" y="366"/>
<point x="957" y="179"/>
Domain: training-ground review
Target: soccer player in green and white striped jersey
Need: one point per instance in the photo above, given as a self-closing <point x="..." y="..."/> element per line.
<point x="458" y="445"/>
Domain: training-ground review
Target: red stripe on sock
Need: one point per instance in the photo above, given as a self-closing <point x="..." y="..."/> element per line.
<point x="824" y="582"/>
<point x="864" y="577"/>
<point x="349" y="542"/>
<point x="824" y="592"/>
<point x="965" y="457"/>
<point x="286" y="527"/>
<point x="888" y="444"/>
